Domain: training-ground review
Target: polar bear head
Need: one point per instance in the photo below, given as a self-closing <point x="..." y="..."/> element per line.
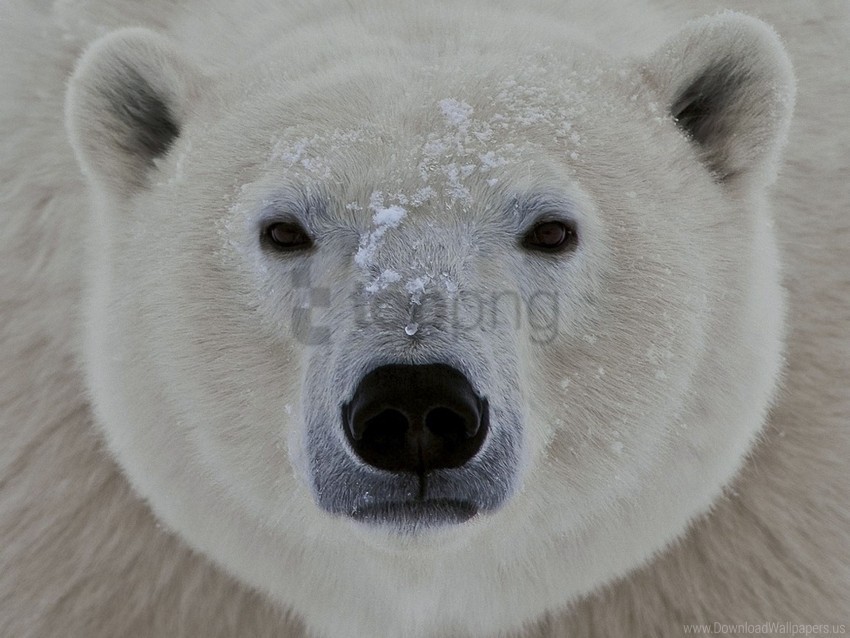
<point x="499" y="324"/>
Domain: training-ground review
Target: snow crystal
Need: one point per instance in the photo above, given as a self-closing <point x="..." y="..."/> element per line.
<point x="449" y="283"/>
<point x="454" y="173"/>
<point x="315" y="154"/>
<point x="291" y="153"/>
<point x="294" y="154"/>
<point x="435" y="148"/>
<point x="457" y="113"/>
<point x="386" y="278"/>
<point x="416" y="288"/>
<point x="383" y="219"/>
<point x="422" y="195"/>
<point x="491" y="160"/>
<point x="390" y="216"/>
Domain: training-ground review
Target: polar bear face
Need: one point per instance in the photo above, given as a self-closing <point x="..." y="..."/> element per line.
<point x="461" y="314"/>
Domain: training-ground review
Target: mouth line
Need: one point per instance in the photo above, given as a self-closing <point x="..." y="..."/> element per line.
<point x="415" y="514"/>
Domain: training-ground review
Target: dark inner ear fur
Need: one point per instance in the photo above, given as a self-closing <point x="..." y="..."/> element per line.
<point x="148" y="127"/>
<point x="706" y="109"/>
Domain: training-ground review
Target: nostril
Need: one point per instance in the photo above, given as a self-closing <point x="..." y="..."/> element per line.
<point x="446" y="424"/>
<point x="384" y="440"/>
<point x="388" y="426"/>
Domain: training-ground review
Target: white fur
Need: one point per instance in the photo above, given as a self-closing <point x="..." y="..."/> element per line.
<point x="655" y="489"/>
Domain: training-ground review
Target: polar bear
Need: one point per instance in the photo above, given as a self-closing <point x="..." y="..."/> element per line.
<point x="423" y="319"/>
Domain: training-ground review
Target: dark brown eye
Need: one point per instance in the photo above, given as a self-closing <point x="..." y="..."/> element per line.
<point x="551" y="236"/>
<point x="288" y="236"/>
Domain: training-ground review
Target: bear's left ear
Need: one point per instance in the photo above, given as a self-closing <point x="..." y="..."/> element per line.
<point x="126" y="104"/>
<point x="728" y="83"/>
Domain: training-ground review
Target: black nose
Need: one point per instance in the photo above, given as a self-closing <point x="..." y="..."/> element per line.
<point x="415" y="418"/>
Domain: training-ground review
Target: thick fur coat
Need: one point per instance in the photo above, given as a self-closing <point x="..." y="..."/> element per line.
<point x="757" y="531"/>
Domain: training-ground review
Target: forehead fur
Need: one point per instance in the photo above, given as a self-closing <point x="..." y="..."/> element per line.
<point x="431" y="134"/>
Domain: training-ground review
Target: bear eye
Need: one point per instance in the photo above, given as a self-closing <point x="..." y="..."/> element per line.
<point x="551" y="236"/>
<point x="287" y="236"/>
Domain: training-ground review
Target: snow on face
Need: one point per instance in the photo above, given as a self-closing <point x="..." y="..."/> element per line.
<point x="457" y="113"/>
<point x="383" y="218"/>
<point x="383" y="280"/>
<point x="470" y="146"/>
<point x="416" y="288"/>
<point x="312" y="156"/>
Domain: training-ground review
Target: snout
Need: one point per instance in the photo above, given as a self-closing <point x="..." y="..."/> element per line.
<point x="415" y="419"/>
<point x="414" y="446"/>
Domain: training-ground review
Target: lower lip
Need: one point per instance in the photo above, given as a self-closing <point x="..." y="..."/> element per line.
<point x="412" y="515"/>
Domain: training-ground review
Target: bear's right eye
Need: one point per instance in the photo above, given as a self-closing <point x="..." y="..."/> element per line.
<point x="287" y="236"/>
<point x="551" y="236"/>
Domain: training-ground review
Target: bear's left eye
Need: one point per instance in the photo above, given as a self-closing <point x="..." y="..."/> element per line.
<point x="287" y="236"/>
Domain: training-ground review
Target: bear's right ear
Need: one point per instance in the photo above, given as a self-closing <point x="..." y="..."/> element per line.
<point x="126" y="104"/>
<point x="727" y="82"/>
